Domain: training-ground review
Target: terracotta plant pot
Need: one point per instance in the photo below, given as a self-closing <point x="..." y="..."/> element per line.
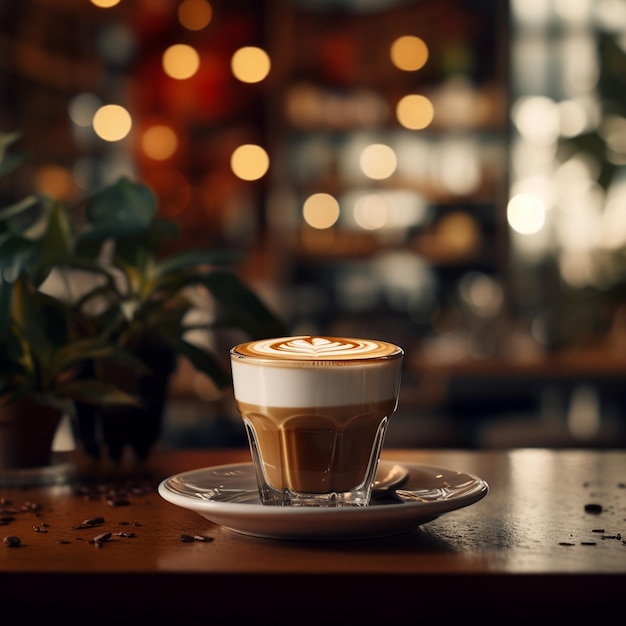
<point x="27" y="431"/>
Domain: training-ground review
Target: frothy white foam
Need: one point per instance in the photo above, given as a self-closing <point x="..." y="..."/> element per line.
<point x="302" y="372"/>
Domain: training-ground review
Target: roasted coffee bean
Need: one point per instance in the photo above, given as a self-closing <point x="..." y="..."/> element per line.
<point x="12" y="541"/>
<point x="593" y="508"/>
<point x="187" y="538"/>
<point x="102" y="537"/>
<point x="93" y="521"/>
<point x="202" y="538"/>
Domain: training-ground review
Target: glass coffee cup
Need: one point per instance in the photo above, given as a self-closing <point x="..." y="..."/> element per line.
<point x="316" y="410"/>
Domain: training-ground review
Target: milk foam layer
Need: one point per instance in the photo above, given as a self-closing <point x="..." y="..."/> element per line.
<point x="309" y="348"/>
<point x="308" y="373"/>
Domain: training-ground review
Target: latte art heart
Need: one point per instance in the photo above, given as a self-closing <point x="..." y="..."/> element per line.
<point x="314" y="346"/>
<point x="319" y="348"/>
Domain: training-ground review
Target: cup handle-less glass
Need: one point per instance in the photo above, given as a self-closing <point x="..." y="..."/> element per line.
<point x="334" y="468"/>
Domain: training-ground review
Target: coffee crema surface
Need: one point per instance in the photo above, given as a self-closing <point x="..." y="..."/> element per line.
<point x="312" y="348"/>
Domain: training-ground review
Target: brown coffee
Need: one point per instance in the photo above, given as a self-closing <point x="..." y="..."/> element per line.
<point x="316" y="411"/>
<point x="316" y="451"/>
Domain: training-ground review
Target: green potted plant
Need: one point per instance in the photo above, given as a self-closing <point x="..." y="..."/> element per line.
<point x="118" y="310"/>
<point x="41" y="359"/>
<point x="144" y="308"/>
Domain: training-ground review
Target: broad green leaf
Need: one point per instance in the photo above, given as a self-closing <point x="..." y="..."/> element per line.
<point x="9" y="164"/>
<point x="29" y="317"/>
<point x="241" y="307"/>
<point x="202" y="360"/>
<point x="56" y="244"/>
<point x="6" y="139"/>
<point x="18" y="208"/>
<point x="124" y="209"/>
<point x="194" y="258"/>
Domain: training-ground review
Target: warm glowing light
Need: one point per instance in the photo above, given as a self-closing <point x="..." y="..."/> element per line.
<point x="371" y="212"/>
<point x="54" y="181"/>
<point x="112" y="122"/>
<point x="458" y="166"/>
<point x="181" y="61"/>
<point x="195" y="14"/>
<point x="415" y="112"/>
<point x="572" y="118"/>
<point x="321" y="210"/>
<point x="82" y="108"/>
<point x="409" y="53"/>
<point x="526" y="213"/>
<point x="250" y="64"/>
<point x="537" y="119"/>
<point x="105" y="4"/>
<point x="249" y="162"/>
<point x="378" y="161"/>
<point x="159" y="142"/>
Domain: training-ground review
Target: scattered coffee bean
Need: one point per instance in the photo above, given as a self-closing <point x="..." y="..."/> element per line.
<point x="12" y="541"/>
<point x="98" y="540"/>
<point x="7" y="519"/>
<point x="593" y="508"/>
<point x="93" y="521"/>
<point x="187" y="538"/>
<point x="40" y="529"/>
<point x="588" y="543"/>
<point x="202" y="538"/>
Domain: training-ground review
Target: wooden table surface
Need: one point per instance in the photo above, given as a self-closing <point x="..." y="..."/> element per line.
<point x="529" y="546"/>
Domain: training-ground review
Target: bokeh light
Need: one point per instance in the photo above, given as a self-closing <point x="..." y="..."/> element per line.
<point x="526" y="213"/>
<point x="249" y="162"/>
<point x="181" y="61"/>
<point x="112" y="122"/>
<point x="105" y="4"/>
<point x="409" y="53"/>
<point x="250" y="64"/>
<point x="320" y="210"/>
<point x="415" y="112"/>
<point x="83" y="107"/>
<point x="195" y="14"/>
<point x="537" y="119"/>
<point x="54" y="181"/>
<point x="159" y="142"/>
<point x="378" y="161"/>
<point x="371" y="212"/>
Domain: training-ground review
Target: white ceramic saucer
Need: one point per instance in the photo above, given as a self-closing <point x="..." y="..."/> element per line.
<point x="227" y="495"/>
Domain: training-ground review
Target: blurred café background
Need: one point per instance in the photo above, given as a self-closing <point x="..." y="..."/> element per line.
<point x="449" y="175"/>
